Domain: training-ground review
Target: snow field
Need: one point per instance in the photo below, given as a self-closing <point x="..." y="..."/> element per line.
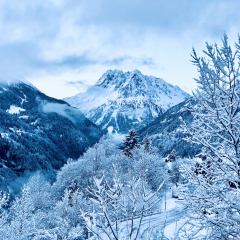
<point x="13" y="109"/>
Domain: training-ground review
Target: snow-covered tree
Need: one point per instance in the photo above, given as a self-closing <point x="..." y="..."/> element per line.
<point x="80" y="173"/>
<point x="22" y="223"/>
<point x="213" y="193"/>
<point x="39" y="191"/>
<point x="30" y="217"/>
<point x="117" y="206"/>
<point x="3" y="215"/>
<point x="147" y="143"/>
<point x="67" y="215"/>
<point x="148" y="165"/>
<point x="175" y="172"/>
<point x="130" y="142"/>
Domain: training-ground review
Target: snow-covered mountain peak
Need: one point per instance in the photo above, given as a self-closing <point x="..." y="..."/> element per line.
<point x="118" y="78"/>
<point x="124" y="99"/>
<point x="134" y="83"/>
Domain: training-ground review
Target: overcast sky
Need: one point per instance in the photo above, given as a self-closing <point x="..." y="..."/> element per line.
<point x="62" y="47"/>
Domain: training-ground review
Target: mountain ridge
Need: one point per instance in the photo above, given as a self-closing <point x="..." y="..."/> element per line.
<point x="124" y="100"/>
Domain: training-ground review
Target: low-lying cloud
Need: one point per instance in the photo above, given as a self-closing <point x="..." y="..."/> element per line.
<point x="74" y="115"/>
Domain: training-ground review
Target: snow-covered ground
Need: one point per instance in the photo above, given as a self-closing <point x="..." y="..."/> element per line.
<point x="163" y="224"/>
<point x="14" y="109"/>
<point x="25" y="117"/>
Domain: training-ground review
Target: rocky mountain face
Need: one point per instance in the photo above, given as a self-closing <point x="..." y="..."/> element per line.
<point x="166" y="131"/>
<point x="121" y="101"/>
<point x="38" y="132"/>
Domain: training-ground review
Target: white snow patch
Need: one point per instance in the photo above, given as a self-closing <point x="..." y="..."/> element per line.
<point x="23" y="99"/>
<point x="171" y="229"/>
<point x="4" y="135"/>
<point x="118" y="138"/>
<point x="34" y="123"/>
<point x="171" y="203"/>
<point x="14" y="109"/>
<point x="24" y="117"/>
<point x="110" y="129"/>
<point x="20" y="131"/>
<point x="178" y="130"/>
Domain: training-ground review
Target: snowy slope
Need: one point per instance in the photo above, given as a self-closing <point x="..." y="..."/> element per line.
<point x="120" y="101"/>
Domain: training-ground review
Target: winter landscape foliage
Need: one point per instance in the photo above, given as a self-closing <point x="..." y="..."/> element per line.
<point x="176" y="178"/>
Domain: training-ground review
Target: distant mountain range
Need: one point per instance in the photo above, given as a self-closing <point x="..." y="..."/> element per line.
<point x="38" y="132"/>
<point x="120" y="101"/>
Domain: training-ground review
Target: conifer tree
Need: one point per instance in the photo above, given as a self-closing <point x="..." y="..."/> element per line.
<point x="147" y="143"/>
<point x="172" y="156"/>
<point x="130" y="142"/>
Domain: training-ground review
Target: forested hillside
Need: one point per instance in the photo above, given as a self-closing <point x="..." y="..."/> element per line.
<point x="167" y="132"/>
<point x="38" y="132"/>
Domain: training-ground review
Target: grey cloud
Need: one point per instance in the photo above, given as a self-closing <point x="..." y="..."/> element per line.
<point x="21" y="59"/>
<point x="74" y="61"/>
<point x="172" y="17"/>
<point x="85" y="59"/>
<point x="77" y="82"/>
<point x="44" y="17"/>
<point x="148" y="61"/>
<point x="18" y="59"/>
<point x="141" y="61"/>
